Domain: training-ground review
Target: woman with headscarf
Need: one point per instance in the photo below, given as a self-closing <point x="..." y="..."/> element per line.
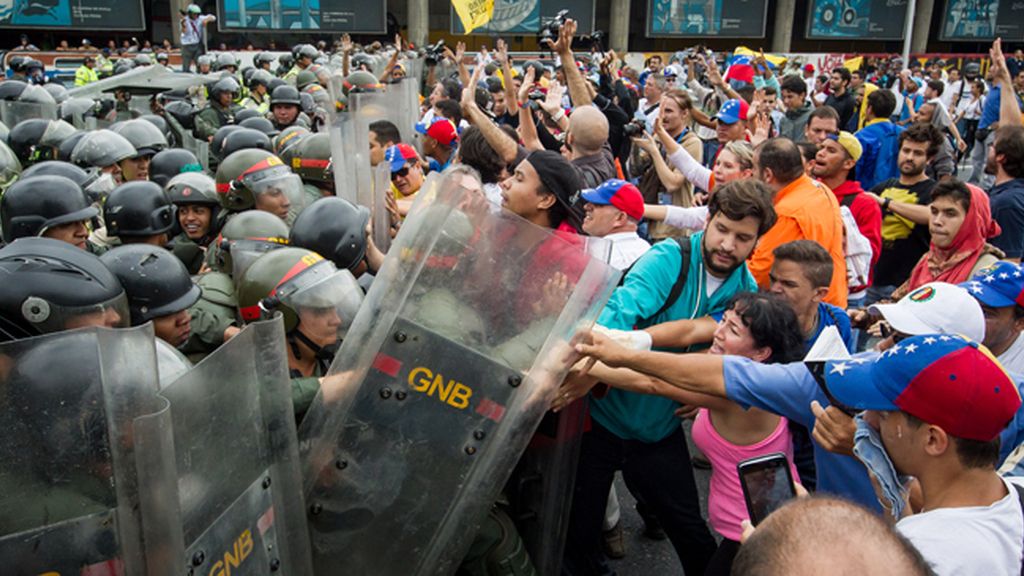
<point x="960" y="224"/>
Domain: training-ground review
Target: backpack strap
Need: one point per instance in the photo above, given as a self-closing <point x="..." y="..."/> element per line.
<point x="848" y="200"/>
<point x="684" y="271"/>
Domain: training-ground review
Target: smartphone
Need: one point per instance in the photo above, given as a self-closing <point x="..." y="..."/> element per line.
<point x="767" y="484"/>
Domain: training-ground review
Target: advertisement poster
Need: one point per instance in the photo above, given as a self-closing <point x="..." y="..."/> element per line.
<point x="973" y="20"/>
<point x="326" y="15"/>
<point x="863" y="19"/>
<point x="527" y="16"/>
<point x="72" y="14"/>
<point x="721" y="18"/>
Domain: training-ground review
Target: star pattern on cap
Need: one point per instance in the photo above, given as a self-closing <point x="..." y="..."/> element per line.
<point x="945" y="338"/>
<point x="989" y="278"/>
<point x="1003" y="276"/>
<point x="894" y="350"/>
<point x="1016" y="274"/>
<point x="976" y="287"/>
<point x="840" y="368"/>
<point x="930" y="340"/>
<point x="858" y="360"/>
<point x="910" y="348"/>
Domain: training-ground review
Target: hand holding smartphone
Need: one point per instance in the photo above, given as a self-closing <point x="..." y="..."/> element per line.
<point x="767" y="484"/>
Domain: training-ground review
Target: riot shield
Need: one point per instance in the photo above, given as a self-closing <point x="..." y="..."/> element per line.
<point x="34" y="102"/>
<point x="380" y="214"/>
<point x="440" y="383"/>
<point x="141" y="80"/>
<point x="236" y="459"/>
<point x="405" y="95"/>
<point x="73" y="500"/>
<point x="348" y="154"/>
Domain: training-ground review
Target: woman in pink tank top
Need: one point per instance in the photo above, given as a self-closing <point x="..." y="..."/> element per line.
<point x="761" y="327"/>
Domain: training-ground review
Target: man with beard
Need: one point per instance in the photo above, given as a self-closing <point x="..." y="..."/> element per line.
<point x="640" y="434"/>
<point x="904" y="202"/>
<point x="1006" y="163"/>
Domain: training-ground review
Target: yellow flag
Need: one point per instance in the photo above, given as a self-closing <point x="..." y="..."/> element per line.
<point x="853" y="63"/>
<point x="474" y="13"/>
<point x="777" y="61"/>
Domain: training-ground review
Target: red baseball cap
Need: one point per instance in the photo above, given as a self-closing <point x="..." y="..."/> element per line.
<point x="618" y="193"/>
<point x="440" y="129"/>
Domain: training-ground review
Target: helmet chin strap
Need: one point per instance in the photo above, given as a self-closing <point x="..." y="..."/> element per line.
<point x="323" y="355"/>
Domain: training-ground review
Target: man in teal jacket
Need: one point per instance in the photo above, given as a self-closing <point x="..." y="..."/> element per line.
<point x="640" y="434"/>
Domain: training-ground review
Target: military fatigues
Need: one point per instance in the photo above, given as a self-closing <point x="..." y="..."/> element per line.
<point x="304" y="390"/>
<point x="211" y="118"/>
<point x="214" y="313"/>
<point x="190" y="253"/>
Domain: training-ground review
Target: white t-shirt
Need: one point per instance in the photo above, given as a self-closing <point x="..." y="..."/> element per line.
<point x="626" y="248"/>
<point x="713" y="283"/>
<point x="977" y="540"/>
<point x="192" y="30"/>
<point x="1013" y="357"/>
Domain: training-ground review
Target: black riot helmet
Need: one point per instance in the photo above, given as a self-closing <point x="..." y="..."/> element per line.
<point x="60" y="168"/>
<point x="48" y="286"/>
<point x="334" y="228"/>
<point x="138" y="209"/>
<point x="102" y="148"/>
<point x="242" y="139"/>
<point x="183" y="113"/>
<point x="167" y="164"/>
<point x="68" y="146"/>
<point x="218" y="139"/>
<point x="161" y="125"/>
<point x="226" y="84"/>
<point x="144" y="136"/>
<point x="155" y="282"/>
<point x="31" y="206"/>
<point x="259" y="77"/>
<point x="11" y="89"/>
<point x="35" y="139"/>
<point x="285" y="95"/>
<point x="260" y="123"/>
<point x="246" y="114"/>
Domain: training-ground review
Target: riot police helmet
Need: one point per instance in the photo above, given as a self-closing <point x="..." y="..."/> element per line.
<point x="155" y="282"/>
<point x="102" y="148"/>
<point x="168" y="163"/>
<point x="144" y="136"/>
<point x="32" y="206"/>
<point x="48" y="286"/>
<point x="138" y="209"/>
<point x="334" y="228"/>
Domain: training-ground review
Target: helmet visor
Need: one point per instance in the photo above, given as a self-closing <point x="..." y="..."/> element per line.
<point x="50" y="317"/>
<point x="245" y="252"/>
<point x="277" y="190"/>
<point x="325" y="299"/>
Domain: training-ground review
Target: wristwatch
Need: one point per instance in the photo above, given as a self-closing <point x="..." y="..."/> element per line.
<point x="885" y="205"/>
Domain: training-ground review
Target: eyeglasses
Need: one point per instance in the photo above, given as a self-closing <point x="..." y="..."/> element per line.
<point x="400" y="174"/>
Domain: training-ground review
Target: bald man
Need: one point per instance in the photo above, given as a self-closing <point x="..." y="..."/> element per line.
<point x="587" y="143"/>
<point x="818" y="535"/>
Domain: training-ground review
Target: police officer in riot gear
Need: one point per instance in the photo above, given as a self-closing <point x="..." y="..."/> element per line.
<point x="259" y="97"/>
<point x="195" y="196"/>
<point x="35" y="140"/>
<point x="304" y="56"/>
<point x="103" y="149"/>
<point x="10" y="168"/>
<point x="318" y="302"/>
<point x="221" y="109"/>
<point x="139" y="213"/>
<point x="147" y="140"/>
<point x="243" y="238"/>
<point x="65" y="288"/>
<point x="46" y="205"/>
<point x="158" y="288"/>
<point x="257" y="179"/>
<point x="286" y="108"/>
<point x="339" y="231"/>
<point x="264" y="61"/>
<point x="262" y="124"/>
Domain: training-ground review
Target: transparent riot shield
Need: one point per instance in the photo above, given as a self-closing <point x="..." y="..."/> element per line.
<point x="405" y="98"/>
<point x="74" y="499"/>
<point x="440" y="383"/>
<point x="380" y="213"/>
<point x="142" y="80"/>
<point x="236" y="459"/>
<point x="34" y="102"/>
<point x="345" y="152"/>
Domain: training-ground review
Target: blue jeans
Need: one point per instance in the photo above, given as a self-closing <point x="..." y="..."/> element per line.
<point x="657" y="472"/>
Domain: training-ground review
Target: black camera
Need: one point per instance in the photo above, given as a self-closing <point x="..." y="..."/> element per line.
<point x="634" y="129"/>
<point x="434" y="53"/>
<point x="550" y="27"/>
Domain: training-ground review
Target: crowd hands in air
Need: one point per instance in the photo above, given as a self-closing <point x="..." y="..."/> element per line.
<point x="754" y="208"/>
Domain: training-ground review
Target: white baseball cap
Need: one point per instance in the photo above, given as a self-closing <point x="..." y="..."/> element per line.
<point x="935" y="308"/>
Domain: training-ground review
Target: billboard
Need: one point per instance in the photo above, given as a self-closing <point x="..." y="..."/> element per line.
<point x="973" y="20"/>
<point x="527" y="16"/>
<point x="301" y="15"/>
<point x="861" y="19"/>
<point x="699" y="18"/>
<point x="72" y="15"/>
